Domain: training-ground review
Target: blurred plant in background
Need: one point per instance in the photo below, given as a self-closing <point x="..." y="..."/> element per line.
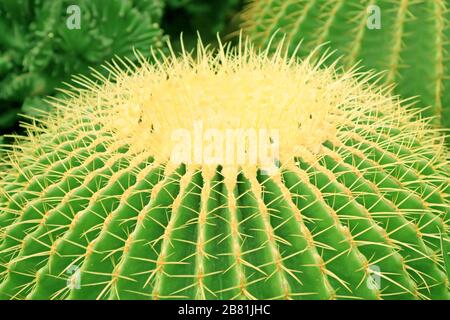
<point x="408" y="41"/>
<point x="208" y="17"/>
<point x="39" y="51"/>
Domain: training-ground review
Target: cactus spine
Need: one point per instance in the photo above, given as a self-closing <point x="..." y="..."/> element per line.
<point x="93" y="207"/>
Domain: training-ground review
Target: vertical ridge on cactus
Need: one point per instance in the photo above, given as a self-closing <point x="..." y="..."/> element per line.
<point x="411" y="46"/>
<point x="94" y="206"/>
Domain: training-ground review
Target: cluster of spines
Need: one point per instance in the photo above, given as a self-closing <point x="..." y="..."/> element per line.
<point x="84" y="215"/>
<point x="139" y="229"/>
<point x="411" y="48"/>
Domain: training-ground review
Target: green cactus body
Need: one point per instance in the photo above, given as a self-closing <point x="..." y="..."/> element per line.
<point x="93" y="206"/>
<point x="411" y="46"/>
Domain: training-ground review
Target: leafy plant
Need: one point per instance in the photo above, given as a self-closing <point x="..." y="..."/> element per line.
<point x="38" y="50"/>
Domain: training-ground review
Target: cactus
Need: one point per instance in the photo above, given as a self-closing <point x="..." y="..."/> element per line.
<point x="95" y="206"/>
<point x="411" y="45"/>
<point x="38" y="50"/>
